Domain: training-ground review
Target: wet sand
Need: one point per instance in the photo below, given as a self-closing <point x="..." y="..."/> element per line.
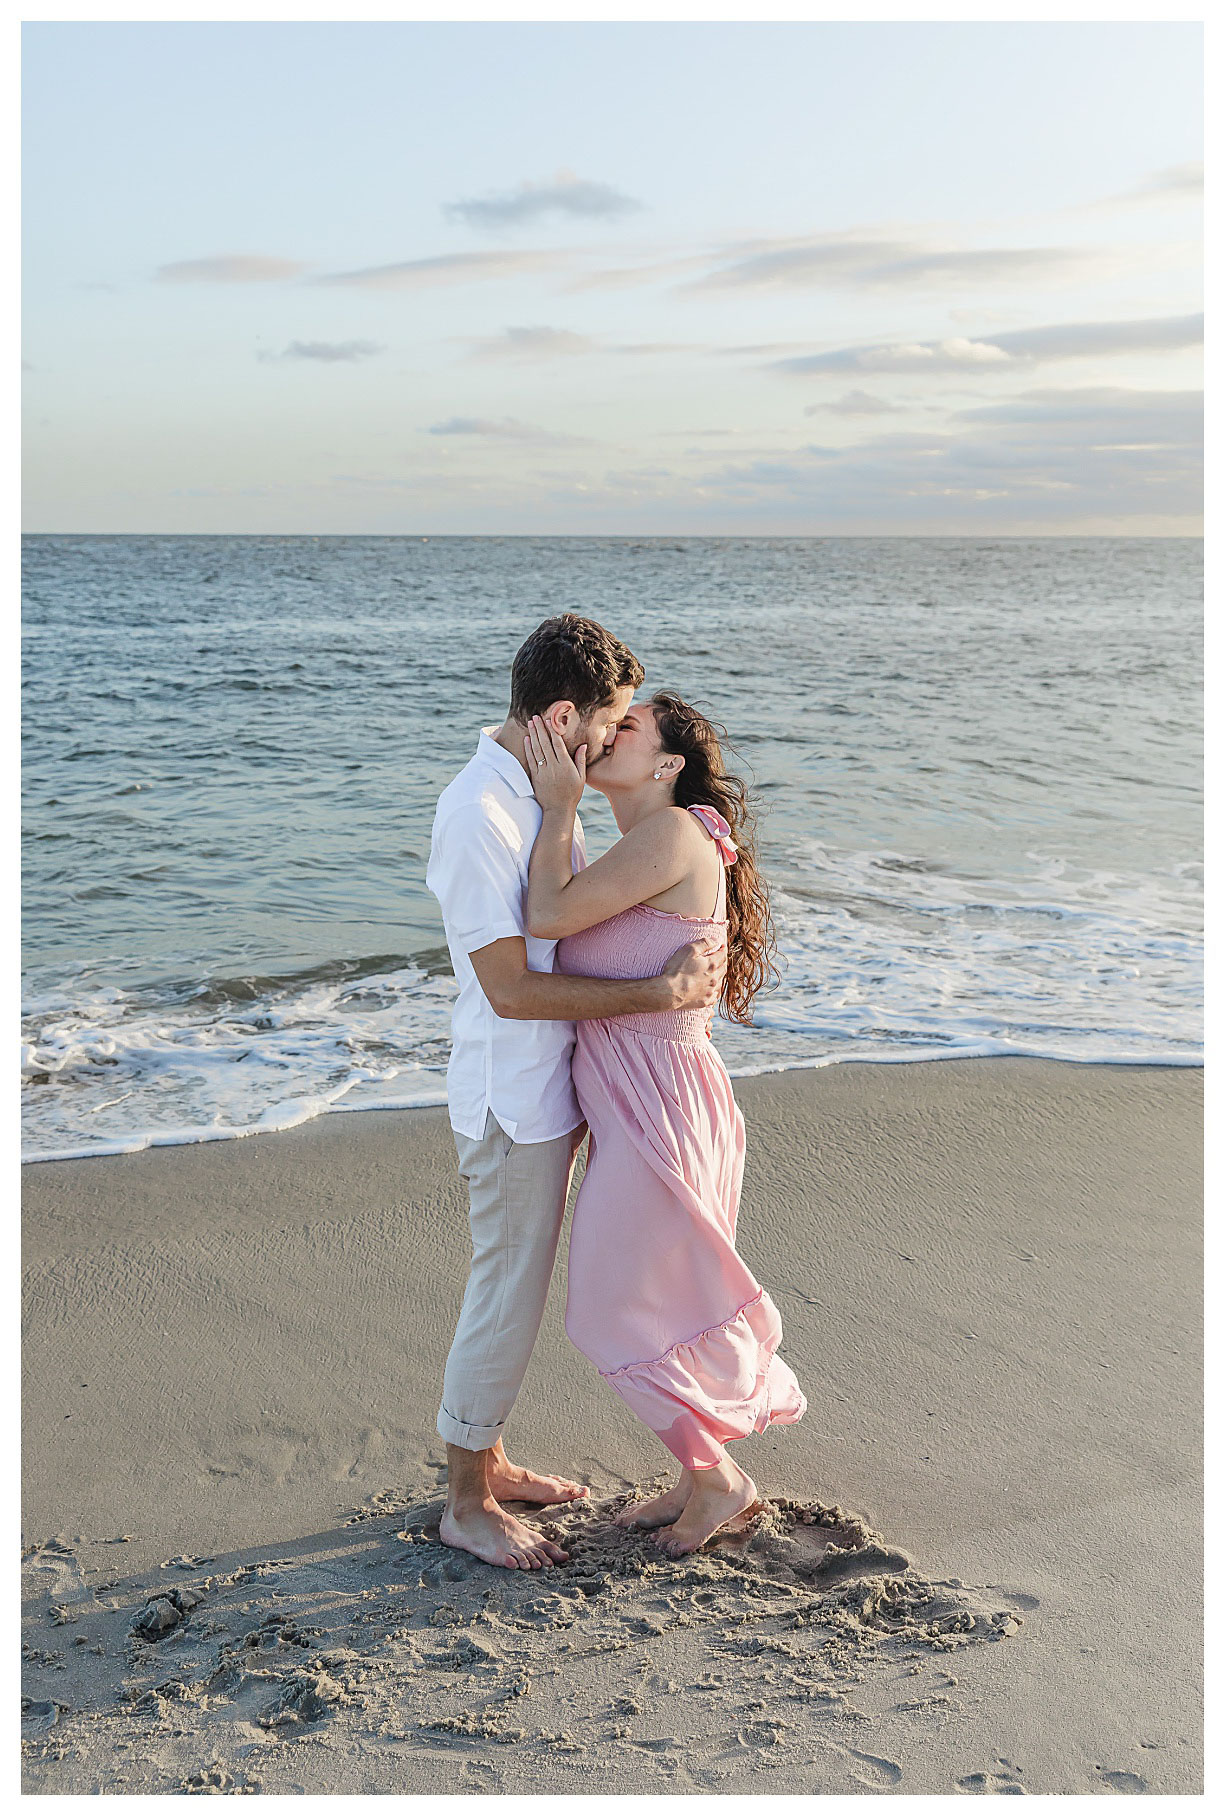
<point x="978" y="1567"/>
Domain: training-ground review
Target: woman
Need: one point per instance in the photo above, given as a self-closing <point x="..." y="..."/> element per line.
<point x="658" y="1297"/>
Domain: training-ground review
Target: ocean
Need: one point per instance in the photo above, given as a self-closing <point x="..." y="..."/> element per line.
<point x="977" y="766"/>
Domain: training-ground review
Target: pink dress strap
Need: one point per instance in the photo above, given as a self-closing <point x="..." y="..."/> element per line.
<point x="719" y="831"/>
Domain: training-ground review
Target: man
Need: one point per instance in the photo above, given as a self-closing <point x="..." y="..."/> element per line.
<point x="516" y="1120"/>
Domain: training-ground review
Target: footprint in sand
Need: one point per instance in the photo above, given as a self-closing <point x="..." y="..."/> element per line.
<point x="302" y="1700"/>
<point x="666" y="1753"/>
<point x="40" y="1717"/>
<point x="455" y="1567"/>
<point x="1018" y="1597"/>
<point x="552" y="1611"/>
<point x="810" y="1545"/>
<point x="368" y="1451"/>
<point x="468" y="1654"/>
<point x="561" y="1742"/>
<point x="1003" y="1783"/>
<point x="216" y="1780"/>
<point x="873" y="1774"/>
<point x="837" y="1566"/>
<point x="764" y="1733"/>
<point x="480" y="1777"/>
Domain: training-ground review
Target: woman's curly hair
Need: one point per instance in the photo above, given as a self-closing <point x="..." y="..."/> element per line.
<point x="706" y="780"/>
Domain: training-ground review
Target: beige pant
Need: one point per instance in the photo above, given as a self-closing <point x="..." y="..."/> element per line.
<point x="517" y="1199"/>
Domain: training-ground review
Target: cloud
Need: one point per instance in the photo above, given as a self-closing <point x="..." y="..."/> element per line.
<point x="1023" y="346"/>
<point x="328" y="352"/>
<point x="1101" y="417"/>
<point x="640" y="482"/>
<point x="562" y="343"/>
<point x="865" y="258"/>
<point x="899" y="356"/>
<point x="756" y="347"/>
<point x="533" y="343"/>
<point x="507" y="428"/>
<point x="229" y="268"/>
<point x="1077" y="400"/>
<point x="693" y="432"/>
<point x="635" y="348"/>
<point x="1176" y="183"/>
<point x="447" y="268"/>
<point x="566" y="194"/>
<point x="859" y="258"/>
<point x="1176" y="179"/>
<point x="856" y="403"/>
<point x="980" y="319"/>
<point x="624" y="277"/>
<point x="1064" y="455"/>
<point x="839" y="259"/>
<point x="1079" y="340"/>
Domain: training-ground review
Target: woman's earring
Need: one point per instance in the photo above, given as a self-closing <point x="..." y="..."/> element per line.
<point x="658" y="773"/>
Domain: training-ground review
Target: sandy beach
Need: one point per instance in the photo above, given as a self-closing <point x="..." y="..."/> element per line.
<point x="979" y="1564"/>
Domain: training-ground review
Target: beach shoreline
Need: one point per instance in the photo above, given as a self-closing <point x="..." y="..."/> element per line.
<point x="988" y="1274"/>
<point x="436" y="1097"/>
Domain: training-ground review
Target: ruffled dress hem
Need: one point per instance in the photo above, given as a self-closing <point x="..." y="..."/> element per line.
<point x="685" y="1342"/>
<point x="683" y="1394"/>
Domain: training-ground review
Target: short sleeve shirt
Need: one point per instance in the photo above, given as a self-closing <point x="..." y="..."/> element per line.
<point x="484" y="828"/>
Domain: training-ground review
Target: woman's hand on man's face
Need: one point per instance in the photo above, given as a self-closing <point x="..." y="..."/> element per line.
<point x="557" y="777"/>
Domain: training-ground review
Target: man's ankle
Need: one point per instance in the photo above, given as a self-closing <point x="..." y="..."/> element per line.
<point x="470" y="1500"/>
<point x="467" y="1476"/>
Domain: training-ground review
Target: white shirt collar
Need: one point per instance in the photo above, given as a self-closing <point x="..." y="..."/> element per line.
<point x="507" y="766"/>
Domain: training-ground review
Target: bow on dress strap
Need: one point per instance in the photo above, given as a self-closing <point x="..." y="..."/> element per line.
<point x="719" y="831"/>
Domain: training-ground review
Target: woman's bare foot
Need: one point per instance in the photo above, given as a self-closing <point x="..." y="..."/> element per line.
<point x="508" y="1482"/>
<point x="497" y="1537"/>
<point x="660" y="1510"/>
<point x="718" y="1496"/>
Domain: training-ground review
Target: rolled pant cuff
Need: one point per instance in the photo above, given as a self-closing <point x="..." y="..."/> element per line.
<point x="468" y="1437"/>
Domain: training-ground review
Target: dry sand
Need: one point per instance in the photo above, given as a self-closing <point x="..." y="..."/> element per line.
<point x="979" y="1567"/>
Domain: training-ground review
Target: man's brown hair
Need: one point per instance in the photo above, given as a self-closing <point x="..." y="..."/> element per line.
<point x="570" y="658"/>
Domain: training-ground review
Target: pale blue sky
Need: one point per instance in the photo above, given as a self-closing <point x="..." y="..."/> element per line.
<point x="689" y="279"/>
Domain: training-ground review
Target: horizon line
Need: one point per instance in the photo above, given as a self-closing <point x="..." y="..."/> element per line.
<point x="649" y="535"/>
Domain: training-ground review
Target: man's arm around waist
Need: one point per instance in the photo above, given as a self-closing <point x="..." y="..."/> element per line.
<point x="691" y="980"/>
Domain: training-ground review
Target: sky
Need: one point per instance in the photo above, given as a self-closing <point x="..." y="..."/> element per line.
<point x="612" y="279"/>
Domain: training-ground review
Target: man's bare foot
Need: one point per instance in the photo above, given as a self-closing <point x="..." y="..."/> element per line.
<point x="660" y="1510"/>
<point x="497" y="1537"/>
<point x="717" y="1498"/>
<point x="508" y="1482"/>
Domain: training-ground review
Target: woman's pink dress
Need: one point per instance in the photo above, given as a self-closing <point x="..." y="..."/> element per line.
<point x="658" y="1298"/>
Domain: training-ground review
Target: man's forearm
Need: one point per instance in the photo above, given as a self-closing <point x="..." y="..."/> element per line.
<point x="552" y="996"/>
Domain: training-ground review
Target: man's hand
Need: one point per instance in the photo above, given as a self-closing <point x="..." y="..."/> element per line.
<point x="693" y="976"/>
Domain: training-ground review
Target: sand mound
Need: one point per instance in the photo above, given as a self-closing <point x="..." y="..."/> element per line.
<point x="377" y="1636"/>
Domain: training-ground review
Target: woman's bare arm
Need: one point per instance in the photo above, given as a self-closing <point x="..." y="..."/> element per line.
<point x="651" y="857"/>
<point x="648" y="859"/>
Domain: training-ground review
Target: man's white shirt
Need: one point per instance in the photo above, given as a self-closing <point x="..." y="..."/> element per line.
<point x="484" y="828"/>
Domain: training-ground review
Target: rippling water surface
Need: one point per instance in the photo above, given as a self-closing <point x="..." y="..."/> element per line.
<point x="977" y="762"/>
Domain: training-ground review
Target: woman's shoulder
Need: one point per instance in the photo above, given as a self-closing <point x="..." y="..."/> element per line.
<point x="671" y="837"/>
<point x="674" y="826"/>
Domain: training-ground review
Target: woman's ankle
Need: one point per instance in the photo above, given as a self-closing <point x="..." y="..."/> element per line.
<point x="716" y="1476"/>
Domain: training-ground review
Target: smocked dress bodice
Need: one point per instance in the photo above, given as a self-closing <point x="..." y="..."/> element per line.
<point x="640" y="941"/>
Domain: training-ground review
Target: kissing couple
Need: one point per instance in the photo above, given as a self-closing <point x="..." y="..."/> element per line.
<point x="586" y="996"/>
